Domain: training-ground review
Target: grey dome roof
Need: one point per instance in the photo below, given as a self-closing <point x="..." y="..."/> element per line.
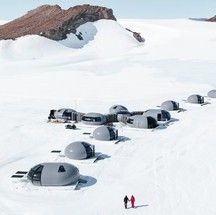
<point x="170" y="105"/>
<point x="63" y="113"/>
<point x="158" y="114"/>
<point x="140" y="121"/>
<point x="195" y="99"/>
<point x="94" y="119"/>
<point x="79" y="150"/>
<point x="105" y="133"/>
<point x="212" y="94"/>
<point x="117" y="108"/>
<point x="53" y="174"/>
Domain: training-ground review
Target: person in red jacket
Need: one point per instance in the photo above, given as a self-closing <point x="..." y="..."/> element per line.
<point x="132" y="199"/>
<point x="126" y="199"/>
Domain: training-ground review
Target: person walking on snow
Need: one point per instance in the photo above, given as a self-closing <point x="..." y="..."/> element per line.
<point x="126" y="199"/>
<point x="132" y="201"/>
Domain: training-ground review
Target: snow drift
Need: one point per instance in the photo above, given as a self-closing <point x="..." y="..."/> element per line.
<point x="103" y="36"/>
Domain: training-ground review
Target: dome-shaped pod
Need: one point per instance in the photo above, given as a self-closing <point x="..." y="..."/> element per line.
<point x="140" y="121"/>
<point x="212" y="94"/>
<point x="170" y="105"/>
<point x="195" y="99"/>
<point x="93" y="119"/>
<point x="158" y="114"/>
<point x="53" y="174"/>
<point x="79" y="150"/>
<point x="117" y="108"/>
<point x="64" y="113"/>
<point x="105" y="133"/>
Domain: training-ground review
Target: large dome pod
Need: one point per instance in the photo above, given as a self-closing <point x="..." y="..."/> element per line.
<point x="212" y="94"/>
<point x="94" y="119"/>
<point x="79" y="150"/>
<point x="105" y="133"/>
<point x="64" y="113"/>
<point x="140" y="121"/>
<point x="158" y="114"/>
<point x="170" y="105"/>
<point x="117" y="108"/>
<point x="195" y="99"/>
<point x="53" y="174"/>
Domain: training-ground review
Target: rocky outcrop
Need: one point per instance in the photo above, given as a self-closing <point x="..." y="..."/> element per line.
<point x="137" y="36"/>
<point x="212" y="19"/>
<point x="53" y="22"/>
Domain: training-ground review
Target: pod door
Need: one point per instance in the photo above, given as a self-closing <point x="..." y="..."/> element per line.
<point x="200" y="99"/>
<point x="35" y="175"/>
<point x="175" y="106"/>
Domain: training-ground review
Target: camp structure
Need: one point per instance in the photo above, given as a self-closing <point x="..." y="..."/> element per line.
<point x="53" y="174"/>
<point x="158" y="114"/>
<point x="195" y="99"/>
<point x="94" y="119"/>
<point x="170" y="105"/>
<point x="79" y="150"/>
<point x="117" y="108"/>
<point x="140" y="121"/>
<point x="212" y="94"/>
<point x="105" y="133"/>
<point x="123" y="115"/>
<point x="64" y="113"/>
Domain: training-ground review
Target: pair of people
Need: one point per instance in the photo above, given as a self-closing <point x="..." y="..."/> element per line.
<point x="126" y="200"/>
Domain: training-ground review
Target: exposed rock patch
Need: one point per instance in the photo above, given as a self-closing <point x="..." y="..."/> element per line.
<point x="212" y="19"/>
<point x="136" y="35"/>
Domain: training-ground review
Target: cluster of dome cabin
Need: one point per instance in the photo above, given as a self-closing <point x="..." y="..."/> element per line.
<point x="118" y="113"/>
<point x="62" y="174"/>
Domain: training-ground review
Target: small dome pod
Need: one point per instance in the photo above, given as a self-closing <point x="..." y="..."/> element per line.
<point x="93" y="119"/>
<point x="117" y="108"/>
<point x="79" y="150"/>
<point x="140" y="121"/>
<point x="105" y="133"/>
<point x="212" y="94"/>
<point x="158" y="114"/>
<point x="170" y="105"/>
<point x="64" y="113"/>
<point x="195" y="99"/>
<point x="53" y="174"/>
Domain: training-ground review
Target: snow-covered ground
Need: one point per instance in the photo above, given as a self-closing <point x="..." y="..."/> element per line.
<point x="170" y="171"/>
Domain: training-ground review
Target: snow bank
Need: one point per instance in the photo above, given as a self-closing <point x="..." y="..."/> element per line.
<point x="29" y="48"/>
<point x="102" y="36"/>
<point x="180" y="39"/>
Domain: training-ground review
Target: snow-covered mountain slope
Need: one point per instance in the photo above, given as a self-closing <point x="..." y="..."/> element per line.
<point x="169" y="171"/>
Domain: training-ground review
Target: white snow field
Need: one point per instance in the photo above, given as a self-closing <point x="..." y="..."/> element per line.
<point x="170" y="171"/>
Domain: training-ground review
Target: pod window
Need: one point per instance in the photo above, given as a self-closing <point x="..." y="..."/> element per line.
<point x="61" y="169"/>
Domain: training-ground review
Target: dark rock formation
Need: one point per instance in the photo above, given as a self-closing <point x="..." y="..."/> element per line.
<point x="53" y="22"/>
<point x="136" y="35"/>
<point x="212" y="19"/>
